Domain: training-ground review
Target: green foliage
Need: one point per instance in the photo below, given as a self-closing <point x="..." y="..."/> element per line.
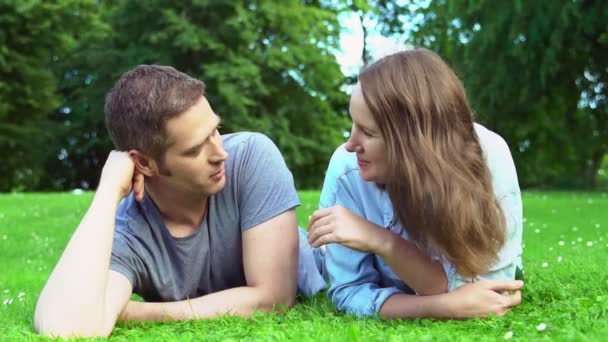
<point x="33" y="34"/>
<point x="565" y="236"/>
<point x="536" y="73"/>
<point x="268" y="67"/>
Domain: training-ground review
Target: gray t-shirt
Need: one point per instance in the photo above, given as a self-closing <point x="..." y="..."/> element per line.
<point x="259" y="186"/>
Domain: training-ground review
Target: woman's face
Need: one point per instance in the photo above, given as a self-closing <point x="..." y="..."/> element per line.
<point x="367" y="141"/>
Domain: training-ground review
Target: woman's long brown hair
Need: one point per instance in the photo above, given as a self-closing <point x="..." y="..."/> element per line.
<point x="438" y="182"/>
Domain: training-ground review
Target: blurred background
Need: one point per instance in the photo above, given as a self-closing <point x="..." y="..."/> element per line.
<point x="535" y="71"/>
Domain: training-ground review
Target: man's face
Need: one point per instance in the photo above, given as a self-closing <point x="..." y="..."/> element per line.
<point x="367" y="141"/>
<point x="194" y="160"/>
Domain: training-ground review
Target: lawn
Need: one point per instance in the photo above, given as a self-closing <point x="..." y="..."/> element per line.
<point x="565" y="296"/>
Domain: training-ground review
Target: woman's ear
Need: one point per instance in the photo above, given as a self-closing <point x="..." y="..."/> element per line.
<point x="143" y="163"/>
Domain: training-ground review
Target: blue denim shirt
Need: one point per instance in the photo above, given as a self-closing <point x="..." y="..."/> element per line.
<point x="360" y="283"/>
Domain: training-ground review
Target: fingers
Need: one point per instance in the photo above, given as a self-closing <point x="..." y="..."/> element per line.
<point x="503" y="312"/>
<point x="324" y="240"/>
<point x="508" y="302"/>
<point x="323" y="221"/>
<point x="138" y="186"/>
<point x="514" y="299"/>
<point x="314" y="237"/>
<point x="502" y="285"/>
<point x="318" y="214"/>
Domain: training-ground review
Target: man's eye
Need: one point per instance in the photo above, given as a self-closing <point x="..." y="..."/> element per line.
<point x="193" y="153"/>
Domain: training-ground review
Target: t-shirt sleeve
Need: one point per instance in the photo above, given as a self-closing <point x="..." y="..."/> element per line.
<point x="124" y="258"/>
<point x="265" y="184"/>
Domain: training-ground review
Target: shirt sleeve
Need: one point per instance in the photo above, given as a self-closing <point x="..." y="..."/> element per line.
<point x="506" y="188"/>
<point x="266" y="187"/>
<point x="354" y="280"/>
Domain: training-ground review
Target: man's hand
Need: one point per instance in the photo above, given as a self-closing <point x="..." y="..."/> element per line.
<point x="485" y="297"/>
<point x="340" y="225"/>
<point x="119" y="175"/>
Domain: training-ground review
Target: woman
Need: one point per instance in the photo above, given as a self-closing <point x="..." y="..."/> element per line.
<point x="419" y="201"/>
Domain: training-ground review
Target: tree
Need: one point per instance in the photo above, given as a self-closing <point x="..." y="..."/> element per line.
<point x="32" y="34"/>
<point x="536" y="71"/>
<point x="268" y="67"/>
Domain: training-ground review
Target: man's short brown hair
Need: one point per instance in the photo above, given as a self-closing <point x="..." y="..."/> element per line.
<point x="141" y="102"/>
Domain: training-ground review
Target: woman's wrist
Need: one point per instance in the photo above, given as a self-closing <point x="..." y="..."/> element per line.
<point x="385" y="241"/>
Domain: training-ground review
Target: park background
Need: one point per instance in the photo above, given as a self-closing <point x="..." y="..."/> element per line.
<point x="535" y="72"/>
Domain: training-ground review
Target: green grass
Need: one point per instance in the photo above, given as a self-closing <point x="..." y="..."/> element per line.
<point x="570" y="297"/>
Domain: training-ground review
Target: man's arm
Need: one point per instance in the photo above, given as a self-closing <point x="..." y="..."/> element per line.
<point x="270" y="259"/>
<point x="82" y="297"/>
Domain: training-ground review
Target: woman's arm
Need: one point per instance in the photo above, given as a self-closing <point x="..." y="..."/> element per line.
<point x="479" y="299"/>
<point x="415" y="268"/>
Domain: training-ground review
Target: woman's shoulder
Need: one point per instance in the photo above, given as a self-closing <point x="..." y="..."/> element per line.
<point x="342" y="162"/>
<point x="499" y="160"/>
<point x="490" y="141"/>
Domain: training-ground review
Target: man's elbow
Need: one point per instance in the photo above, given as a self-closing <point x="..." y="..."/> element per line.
<point x="55" y="327"/>
<point x="68" y="331"/>
<point x="277" y="301"/>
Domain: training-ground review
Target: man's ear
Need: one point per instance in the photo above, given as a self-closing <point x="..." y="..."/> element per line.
<point x="143" y="163"/>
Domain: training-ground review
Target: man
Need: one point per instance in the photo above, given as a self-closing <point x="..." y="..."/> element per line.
<point x="196" y="223"/>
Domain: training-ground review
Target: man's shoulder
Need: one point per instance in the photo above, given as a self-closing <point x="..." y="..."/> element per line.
<point x="129" y="215"/>
<point x="247" y="150"/>
<point x="244" y="141"/>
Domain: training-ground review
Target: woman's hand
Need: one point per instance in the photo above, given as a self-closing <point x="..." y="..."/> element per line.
<point x="485" y="297"/>
<point x="340" y="225"/>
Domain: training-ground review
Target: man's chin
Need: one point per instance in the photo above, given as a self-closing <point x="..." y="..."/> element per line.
<point x="216" y="187"/>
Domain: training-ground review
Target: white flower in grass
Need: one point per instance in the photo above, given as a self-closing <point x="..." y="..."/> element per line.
<point x="597" y="225"/>
<point x="541" y="327"/>
<point x="21" y="295"/>
<point x="6" y="291"/>
<point x="4" y="237"/>
<point x="537" y="230"/>
<point x="508" y="335"/>
<point x="550" y="248"/>
<point x="561" y="243"/>
<point x="8" y="301"/>
<point x="545" y="264"/>
<point x="575" y="228"/>
<point x="589" y="243"/>
<point x="580" y="239"/>
<point x="559" y="259"/>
